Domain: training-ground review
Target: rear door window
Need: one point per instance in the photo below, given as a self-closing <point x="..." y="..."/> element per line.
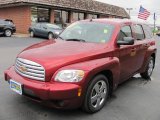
<point x="125" y="32"/>
<point x="139" y="32"/>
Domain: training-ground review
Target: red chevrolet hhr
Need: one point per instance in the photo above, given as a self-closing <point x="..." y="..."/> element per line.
<point x="82" y="67"/>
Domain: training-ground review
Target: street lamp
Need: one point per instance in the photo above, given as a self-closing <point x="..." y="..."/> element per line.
<point x="129" y="10"/>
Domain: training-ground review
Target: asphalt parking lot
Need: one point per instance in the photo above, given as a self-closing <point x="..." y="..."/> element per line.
<point x="136" y="99"/>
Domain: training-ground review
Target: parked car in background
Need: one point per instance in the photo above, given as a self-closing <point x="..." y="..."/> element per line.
<point x="83" y="66"/>
<point x="7" y="27"/>
<point x="158" y="33"/>
<point x="47" y="30"/>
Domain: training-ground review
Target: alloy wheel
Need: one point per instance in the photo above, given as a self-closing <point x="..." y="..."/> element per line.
<point x="8" y="33"/>
<point x="50" y="36"/>
<point x="98" y="94"/>
<point x="150" y="67"/>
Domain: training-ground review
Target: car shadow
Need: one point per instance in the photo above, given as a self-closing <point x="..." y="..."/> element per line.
<point x="134" y="81"/>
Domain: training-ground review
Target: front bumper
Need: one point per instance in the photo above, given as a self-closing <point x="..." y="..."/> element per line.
<point x="14" y="30"/>
<point x="60" y="95"/>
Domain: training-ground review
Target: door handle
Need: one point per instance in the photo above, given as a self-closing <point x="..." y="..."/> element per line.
<point x="146" y="45"/>
<point x="133" y="52"/>
<point x="133" y="49"/>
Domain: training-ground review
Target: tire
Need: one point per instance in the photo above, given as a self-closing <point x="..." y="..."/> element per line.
<point x="96" y="95"/>
<point x="8" y="33"/>
<point x="149" y="70"/>
<point x="31" y="34"/>
<point x="50" y="36"/>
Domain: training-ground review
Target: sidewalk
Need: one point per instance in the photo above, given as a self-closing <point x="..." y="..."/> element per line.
<point x="20" y="35"/>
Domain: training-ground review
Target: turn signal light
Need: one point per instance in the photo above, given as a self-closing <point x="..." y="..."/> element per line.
<point x="79" y="92"/>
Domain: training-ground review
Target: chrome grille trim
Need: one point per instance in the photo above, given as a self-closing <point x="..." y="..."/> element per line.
<point x="29" y="66"/>
<point x="33" y="70"/>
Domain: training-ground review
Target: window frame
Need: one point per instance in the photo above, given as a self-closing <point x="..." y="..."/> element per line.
<point x="122" y="27"/>
<point x="147" y="30"/>
<point x="144" y="36"/>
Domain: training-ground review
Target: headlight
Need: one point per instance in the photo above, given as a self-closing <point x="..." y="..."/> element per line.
<point x="57" y="32"/>
<point x="69" y="76"/>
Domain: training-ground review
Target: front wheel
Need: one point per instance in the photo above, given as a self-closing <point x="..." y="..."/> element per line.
<point x="97" y="94"/>
<point x="50" y="36"/>
<point x="149" y="70"/>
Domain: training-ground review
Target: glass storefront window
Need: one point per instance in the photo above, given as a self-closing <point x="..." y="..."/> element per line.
<point x="92" y="16"/>
<point x="34" y="15"/>
<point x="65" y="17"/>
<point x="81" y="16"/>
<point x="57" y="17"/>
<point x="95" y="16"/>
<point x="43" y="15"/>
<point x="39" y="14"/>
<point x="61" y="17"/>
<point x="75" y="17"/>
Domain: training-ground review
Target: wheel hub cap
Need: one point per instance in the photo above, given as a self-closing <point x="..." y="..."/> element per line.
<point x="98" y="94"/>
<point x="150" y="67"/>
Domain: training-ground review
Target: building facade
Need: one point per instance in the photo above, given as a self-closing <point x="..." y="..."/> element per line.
<point x="60" y="12"/>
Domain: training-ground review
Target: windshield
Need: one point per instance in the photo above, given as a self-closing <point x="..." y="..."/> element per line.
<point x="88" y="32"/>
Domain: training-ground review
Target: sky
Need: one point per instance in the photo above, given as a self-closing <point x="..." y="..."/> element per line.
<point x="151" y="5"/>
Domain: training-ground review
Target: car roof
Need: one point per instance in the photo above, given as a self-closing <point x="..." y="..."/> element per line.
<point x="115" y="21"/>
<point x="8" y="20"/>
<point x="45" y="23"/>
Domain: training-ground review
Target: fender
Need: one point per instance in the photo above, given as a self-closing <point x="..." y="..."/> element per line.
<point x="95" y="67"/>
<point x="8" y="28"/>
<point x="149" y="52"/>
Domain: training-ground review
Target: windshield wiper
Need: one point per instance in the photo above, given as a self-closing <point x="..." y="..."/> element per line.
<point x="74" y="39"/>
<point x="60" y="37"/>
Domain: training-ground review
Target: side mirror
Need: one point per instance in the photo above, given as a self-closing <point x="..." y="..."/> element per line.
<point x="44" y="27"/>
<point x="126" y="41"/>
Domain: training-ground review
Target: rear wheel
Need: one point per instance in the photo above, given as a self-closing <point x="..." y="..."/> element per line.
<point x="149" y="70"/>
<point x="8" y="33"/>
<point x="97" y="94"/>
<point x="31" y="34"/>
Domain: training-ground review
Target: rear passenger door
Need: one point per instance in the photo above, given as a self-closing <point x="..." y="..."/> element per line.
<point x="44" y="30"/>
<point x="141" y="44"/>
<point x="37" y="29"/>
<point x="127" y="55"/>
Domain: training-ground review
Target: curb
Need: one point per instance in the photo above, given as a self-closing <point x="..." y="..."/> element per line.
<point x="20" y="35"/>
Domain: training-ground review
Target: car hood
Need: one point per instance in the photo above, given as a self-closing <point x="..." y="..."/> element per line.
<point x="55" y="54"/>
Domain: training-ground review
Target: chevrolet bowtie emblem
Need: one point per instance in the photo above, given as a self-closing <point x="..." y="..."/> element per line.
<point x="23" y="69"/>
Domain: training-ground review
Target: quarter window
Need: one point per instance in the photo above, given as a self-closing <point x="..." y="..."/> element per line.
<point x="147" y="31"/>
<point x="125" y="32"/>
<point x="139" y="32"/>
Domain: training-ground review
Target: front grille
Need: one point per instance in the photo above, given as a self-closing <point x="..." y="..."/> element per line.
<point x="29" y="69"/>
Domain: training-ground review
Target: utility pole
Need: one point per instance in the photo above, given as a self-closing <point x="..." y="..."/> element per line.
<point x="154" y="17"/>
<point x="129" y="11"/>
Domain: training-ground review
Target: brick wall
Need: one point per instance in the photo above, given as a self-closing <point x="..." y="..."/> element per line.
<point x="52" y="16"/>
<point x="21" y="16"/>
